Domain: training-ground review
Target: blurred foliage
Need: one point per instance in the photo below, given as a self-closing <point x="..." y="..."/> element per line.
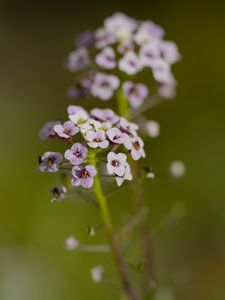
<point x="35" y="39"/>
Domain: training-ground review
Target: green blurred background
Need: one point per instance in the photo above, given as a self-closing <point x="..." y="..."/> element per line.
<point x="35" y="39"/>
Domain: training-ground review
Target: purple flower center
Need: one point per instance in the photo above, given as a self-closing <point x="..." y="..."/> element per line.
<point x="134" y="91"/>
<point x="105" y="83"/>
<point x="115" y="163"/>
<point x="77" y="154"/>
<point x="132" y="63"/>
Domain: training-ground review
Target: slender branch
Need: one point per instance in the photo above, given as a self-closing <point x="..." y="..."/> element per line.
<point x="134" y="221"/>
<point x="94" y="248"/>
<point x="121" y="266"/>
<point x="137" y="190"/>
<point x="149" y="103"/>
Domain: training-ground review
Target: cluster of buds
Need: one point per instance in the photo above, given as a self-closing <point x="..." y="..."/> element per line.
<point x="101" y="132"/>
<point x="123" y="46"/>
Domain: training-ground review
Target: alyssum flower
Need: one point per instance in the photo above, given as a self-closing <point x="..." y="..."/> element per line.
<point x="117" y="132"/>
<point x="123" y="46"/>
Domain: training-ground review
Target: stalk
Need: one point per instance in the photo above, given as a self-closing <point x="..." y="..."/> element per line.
<point x="118" y="259"/>
<point x="139" y="202"/>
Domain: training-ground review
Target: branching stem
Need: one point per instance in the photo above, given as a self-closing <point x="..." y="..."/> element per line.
<point x="118" y="259"/>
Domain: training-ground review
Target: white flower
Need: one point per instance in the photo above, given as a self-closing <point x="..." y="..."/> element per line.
<point x="130" y="63"/>
<point x="177" y="169"/>
<point x="136" y="146"/>
<point x="104" y="86"/>
<point x="127" y="175"/>
<point x="116" y="163"/>
<point x="149" y="53"/>
<point x="78" y="60"/>
<point x="152" y="128"/>
<point x="147" y="33"/>
<point x="79" y="118"/>
<point x="106" y="59"/>
<point x="97" y="274"/>
<point x="71" y="243"/>
<point x="120" y="25"/>
<point x="170" y="52"/>
<point x="103" y="38"/>
<point x="161" y="71"/>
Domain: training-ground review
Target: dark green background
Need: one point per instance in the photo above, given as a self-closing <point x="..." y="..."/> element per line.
<point x="35" y="39"/>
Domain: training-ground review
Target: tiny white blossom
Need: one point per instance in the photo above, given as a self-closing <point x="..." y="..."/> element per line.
<point x="152" y="128"/>
<point x="97" y="274"/>
<point x="177" y="169"/>
<point x="71" y="243"/>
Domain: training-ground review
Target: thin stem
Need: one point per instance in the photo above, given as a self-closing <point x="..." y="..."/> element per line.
<point x="120" y="264"/>
<point x="149" y="103"/>
<point x="94" y="248"/>
<point x="137" y="190"/>
<point x="122" y="105"/>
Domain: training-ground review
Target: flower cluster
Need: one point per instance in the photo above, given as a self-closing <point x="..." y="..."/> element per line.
<point x="101" y="132"/>
<point x="123" y="45"/>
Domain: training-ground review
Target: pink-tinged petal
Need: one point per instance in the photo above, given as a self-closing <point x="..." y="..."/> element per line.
<point x="122" y="158"/>
<point x="87" y="182"/>
<point x="110" y="168"/>
<point x="75" y="181"/>
<point x="91" y="170"/>
<point x="104" y="144"/>
<point x="135" y="154"/>
<point x="120" y="170"/>
<point x="119" y="180"/>
<point x="128" y="144"/>
<point x="111" y="156"/>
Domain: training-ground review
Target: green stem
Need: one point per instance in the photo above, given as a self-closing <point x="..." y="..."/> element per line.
<point x="139" y="201"/>
<point x="118" y="259"/>
<point x="122" y="105"/>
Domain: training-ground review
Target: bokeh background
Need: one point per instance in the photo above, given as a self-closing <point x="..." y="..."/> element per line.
<point x="35" y="39"/>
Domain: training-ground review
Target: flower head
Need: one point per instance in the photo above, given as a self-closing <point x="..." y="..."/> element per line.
<point x="136" y="147"/>
<point x="103" y="38"/>
<point x="116" y="136"/>
<point x="149" y="53"/>
<point x="97" y="274"/>
<point x="85" y="39"/>
<point x="99" y="129"/>
<point x="148" y="32"/>
<point x="169" y="52"/>
<point x="152" y="128"/>
<point x="97" y="139"/>
<point x="128" y="127"/>
<point x="58" y="193"/>
<point x="71" y="243"/>
<point x="50" y="162"/>
<point x="135" y="93"/>
<point x="106" y="59"/>
<point x="177" y="169"/>
<point x="78" y="60"/>
<point x="130" y="63"/>
<point x="104" y="86"/>
<point x="83" y="176"/>
<point x="128" y="45"/>
<point x="127" y="175"/>
<point x="47" y="130"/>
<point x="77" y="154"/>
<point x="66" y="130"/>
<point x="104" y="115"/>
<point x="120" y="25"/>
<point x="116" y="163"/>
